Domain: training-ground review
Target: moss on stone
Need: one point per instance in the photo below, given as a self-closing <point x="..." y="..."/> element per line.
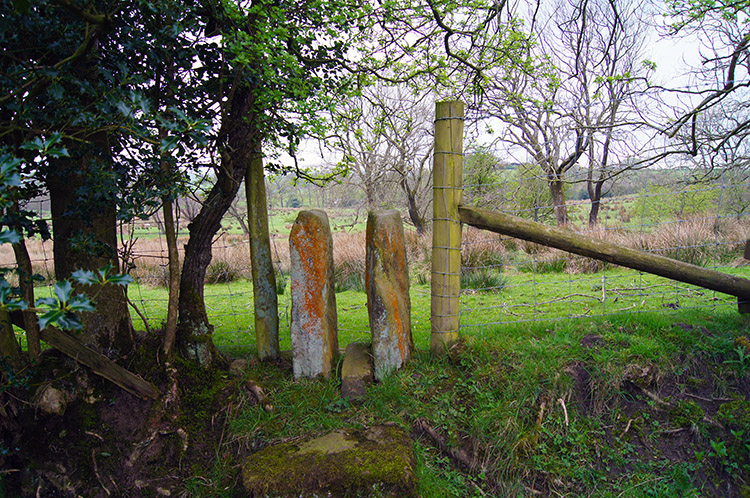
<point x="378" y="461"/>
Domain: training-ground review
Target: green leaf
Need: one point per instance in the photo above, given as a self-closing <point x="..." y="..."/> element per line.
<point x="4" y="289"/>
<point x="49" y="302"/>
<point x="69" y="321"/>
<point x="123" y="280"/>
<point x="169" y="143"/>
<point x="16" y="304"/>
<point x="104" y="272"/>
<point x="81" y="302"/>
<point x="50" y="318"/>
<point x="63" y="290"/>
<point x="58" y="152"/>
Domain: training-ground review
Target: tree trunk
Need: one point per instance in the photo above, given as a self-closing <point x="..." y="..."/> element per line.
<point x="170" y="328"/>
<point x="84" y="223"/>
<point x="265" y="302"/>
<point x="194" y="333"/>
<point x="595" y="194"/>
<point x="414" y="216"/>
<point x="558" y="199"/>
<point x="9" y="347"/>
<point x="26" y="283"/>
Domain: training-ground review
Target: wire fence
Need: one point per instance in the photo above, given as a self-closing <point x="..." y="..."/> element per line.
<point x="506" y="280"/>
<point x="503" y="280"/>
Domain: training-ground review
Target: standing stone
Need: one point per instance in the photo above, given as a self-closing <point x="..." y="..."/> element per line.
<point x="313" y="328"/>
<point x="387" y="283"/>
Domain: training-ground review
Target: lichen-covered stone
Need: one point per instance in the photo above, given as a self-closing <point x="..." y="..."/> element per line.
<point x="314" y="331"/>
<point x="387" y="284"/>
<point x="356" y="371"/>
<point x="378" y="461"/>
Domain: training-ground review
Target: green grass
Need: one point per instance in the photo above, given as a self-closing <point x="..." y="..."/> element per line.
<point x="230" y="311"/>
<point x="487" y="396"/>
<point x="498" y="394"/>
<point x="524" y="297"/>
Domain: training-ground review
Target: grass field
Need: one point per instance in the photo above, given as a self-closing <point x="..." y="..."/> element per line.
<point x="570" y="379"/>
<point x="524" y="297"/>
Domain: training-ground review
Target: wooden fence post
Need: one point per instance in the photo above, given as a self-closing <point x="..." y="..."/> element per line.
<point x="447" y="192"/>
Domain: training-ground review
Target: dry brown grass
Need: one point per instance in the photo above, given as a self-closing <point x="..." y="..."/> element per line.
<point x="703" y="241"/>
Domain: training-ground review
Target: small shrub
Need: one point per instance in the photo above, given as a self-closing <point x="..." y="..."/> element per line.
<point x="552" y="265"/>
<point x="480" y="248"/>
<point x="420" y="272"/>
<point x="483" y="280"/>
<point x="280" y="283"/>
<point x="221" y="272"/>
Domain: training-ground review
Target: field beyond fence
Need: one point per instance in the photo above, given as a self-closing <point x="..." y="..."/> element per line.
<point x="504" y="280"/>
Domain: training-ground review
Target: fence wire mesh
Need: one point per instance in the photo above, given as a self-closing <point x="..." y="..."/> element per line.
<point x="506" y="280"/>
<point x="503" y="280"/>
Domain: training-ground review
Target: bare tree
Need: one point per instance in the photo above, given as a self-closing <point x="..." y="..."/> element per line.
<point x="385" y="137"/>
<point x="408" y="130"/>
<point x="603" y="42"/>
<point x="569" y="101"/>
<point x="715" y="116"/>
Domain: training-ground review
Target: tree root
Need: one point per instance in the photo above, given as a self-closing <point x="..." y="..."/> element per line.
<point x="260" y="396"/>
<point x="459" y="455"/>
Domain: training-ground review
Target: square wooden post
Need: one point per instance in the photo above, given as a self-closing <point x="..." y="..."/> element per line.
<point x="447" y="193"/>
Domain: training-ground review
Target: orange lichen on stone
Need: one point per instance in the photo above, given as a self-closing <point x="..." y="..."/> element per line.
<point x="387" y="283"/>
<point x="314" y="332"/>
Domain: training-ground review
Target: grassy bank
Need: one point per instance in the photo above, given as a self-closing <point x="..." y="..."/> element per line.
<point x="646" y="405"/>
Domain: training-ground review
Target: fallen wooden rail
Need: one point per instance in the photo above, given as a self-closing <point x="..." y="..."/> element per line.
<point x="100" y="364"/>
<point x="569" y="241"/>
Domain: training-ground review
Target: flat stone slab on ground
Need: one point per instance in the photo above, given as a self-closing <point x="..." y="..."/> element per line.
<point x="378" y="461"/>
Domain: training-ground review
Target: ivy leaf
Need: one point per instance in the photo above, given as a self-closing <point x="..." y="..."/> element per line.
<point x="85" y="277"/>
<point x="63" y="290"/>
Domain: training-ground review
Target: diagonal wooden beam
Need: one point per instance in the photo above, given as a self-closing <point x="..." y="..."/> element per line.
<point x="569" y="241"/>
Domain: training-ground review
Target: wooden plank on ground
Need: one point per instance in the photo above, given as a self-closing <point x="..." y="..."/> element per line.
<point x="100" y="364"/>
